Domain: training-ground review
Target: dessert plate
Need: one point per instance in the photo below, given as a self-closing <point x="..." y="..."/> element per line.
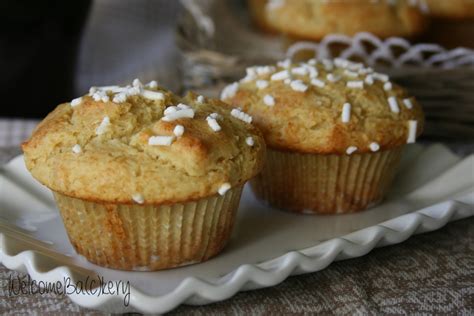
<point x="433" y="187"/>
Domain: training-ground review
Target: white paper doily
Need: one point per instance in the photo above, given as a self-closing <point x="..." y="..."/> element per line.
<point x="393" y="52"/>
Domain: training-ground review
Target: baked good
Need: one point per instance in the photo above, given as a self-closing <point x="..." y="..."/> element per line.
<point x="334" y="132"/>
<point x="144" y="179"/>
<point x="452" y="9"/>
<point x="314" y="19"/>
<point x="258" y="11"/>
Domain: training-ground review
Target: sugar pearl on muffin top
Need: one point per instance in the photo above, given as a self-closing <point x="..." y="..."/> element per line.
<point x="284" y="63"/>
<point x="76" y="102"/>
<point x="381" y="77"/>
<point x="412" y="126"/>
<point x="212" y="122"/>
<point x="152" y="84"/>
<point x="224" y="188"/>
<point x="249" y="141"/>
<point x="103" y="126"/>
<point x="77" y="149"/>
<point x="161" y="140"/>
<point x="346" y="113"/>
<point x="282" y="75"/>
<point x="120" y="98"/>
<point x="230" y="90"/>
<point x="183" y="106"/>
<point x="264" y="70"/>
<point x="138" y="198"/>
<point x="178" y="114"/>
<point x="101" y="96"/>
<point x="261" y="84"/>
<point x="153" y="95"/>
<point x="350" y="150"/>
<point x="374" y="146"/>
<point x="393" y="103"/>
<point x="299" y="86"/>
<point x="269" y="100"/>
<point x="318" y="83"/>
<point x="237" y="113"/>
<point x="369" y="80"/>
<point x="332" y="77"/>
<point x="408" y="104"/>
<point x="178" y="130"/>
<point x="200" y="99"/>
<point x="137" y="83"/>
<point x="351" y="74"/>
<point x="355" y="84"/>
<point x="302" y="71"/>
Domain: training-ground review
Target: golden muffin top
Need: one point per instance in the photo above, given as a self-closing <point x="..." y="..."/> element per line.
<point x="143" y="144"/>
<point x="314" y="19"/>
<point x="327" y="107"/>
<point x="451" y="9"/>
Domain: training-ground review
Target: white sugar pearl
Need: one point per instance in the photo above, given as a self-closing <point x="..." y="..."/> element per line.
<point x="350" y="150"/>
<point x="408" y="104"/>
<point x="374" y="147"/>
<point x="224" y="188"/>
<point x="160" y="140"/>
<point x="178" y="130"/>
<point x="77" y="149"/>
<point x="138" y="198"/>
<point x="269" y="100"/>
<point x="412" y="127"/>
<point x="261" y="84"/>
<point x="76" y="102"/>
<point x="249" y="140"/>
<point x="346" y="113"/>
<point x="392" y="102"/>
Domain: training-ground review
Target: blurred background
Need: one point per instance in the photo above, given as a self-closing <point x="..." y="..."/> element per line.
<point x="52" y="51"/>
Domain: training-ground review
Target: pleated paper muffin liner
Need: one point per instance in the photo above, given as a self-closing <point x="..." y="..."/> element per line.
<point x="149" y="237"/>
<point x="325" y="184"/>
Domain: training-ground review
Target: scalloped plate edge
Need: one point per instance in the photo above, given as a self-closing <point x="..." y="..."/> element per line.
<point x="254" y="276"/>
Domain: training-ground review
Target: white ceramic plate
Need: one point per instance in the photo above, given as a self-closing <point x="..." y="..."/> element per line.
<point x="433" y="187"/>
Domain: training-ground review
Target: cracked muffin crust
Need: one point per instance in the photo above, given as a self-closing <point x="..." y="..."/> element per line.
<point x="327" y="107"/>
<point x="143" y="144"/>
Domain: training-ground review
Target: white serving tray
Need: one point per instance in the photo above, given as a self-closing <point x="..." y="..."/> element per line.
<point x="433" y="187"/>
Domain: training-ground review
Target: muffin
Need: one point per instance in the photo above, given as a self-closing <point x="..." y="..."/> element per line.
<point x="144" y="179"/>
<point x="258" y="10"/>
<point x="452" y="9"/>
<point x="314" y="19"/>
<point x="334" y="130"/>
